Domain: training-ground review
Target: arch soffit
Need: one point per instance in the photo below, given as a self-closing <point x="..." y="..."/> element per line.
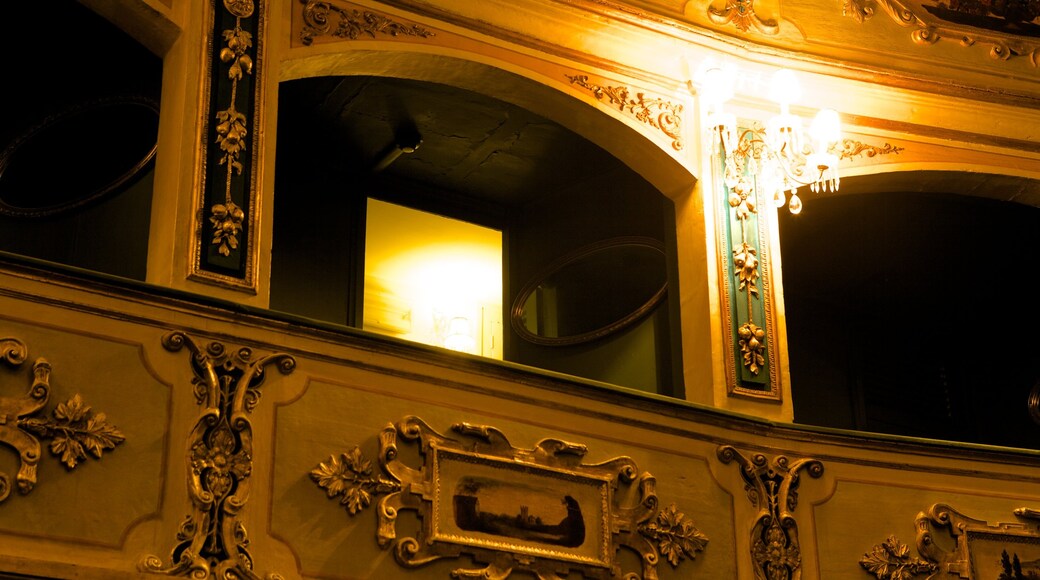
<point x="990" y="182"/>
<point x="515" y="85"/>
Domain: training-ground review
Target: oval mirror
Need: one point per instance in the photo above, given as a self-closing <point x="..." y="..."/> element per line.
<point x="78" y="156"/>
<point x="592" y="292"/>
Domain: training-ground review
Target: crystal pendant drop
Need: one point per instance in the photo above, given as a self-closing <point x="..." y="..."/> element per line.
<point x="795" y="205"/>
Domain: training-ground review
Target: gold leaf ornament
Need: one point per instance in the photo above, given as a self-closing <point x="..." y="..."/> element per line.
<point x="891" y="560"/>
<point x="76" y="432"/>
<point x="677" y="537"/>
<point x="352" y="478"/>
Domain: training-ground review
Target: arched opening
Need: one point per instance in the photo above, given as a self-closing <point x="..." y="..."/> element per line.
<point x="77" y="140"/>
<point x="344" y="140"/>
<point x="909" y="306"/>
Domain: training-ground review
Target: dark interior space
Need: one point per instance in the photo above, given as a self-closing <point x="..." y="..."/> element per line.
<point x="913" y="314"/>
<point x="550" y="191"/>
<point x="77" y="140"/>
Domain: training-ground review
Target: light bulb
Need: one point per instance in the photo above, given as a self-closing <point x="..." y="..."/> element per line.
<point x="784" y="88"/>
<point x="825" y="129"/>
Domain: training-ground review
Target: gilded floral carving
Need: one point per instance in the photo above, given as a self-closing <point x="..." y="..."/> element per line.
<point x="929" y="29"/>
<point x="351" y="23"/>
<point x="212" y="542"/>
<point x="752" y="346"/>
<point x="772" y="488"/>
<point x="975" y="549"/>
<point x="742" y="14"/>
<point x="226" y="218"/>
<point x="466" y="480"/>
<point x="660" y="114"/>
<point x="350" y="476"/>
<point x="676" y="536"/>
<point x="851" y="148"/>
<point x="891" y="560"/>
<point x="75" y="431"/>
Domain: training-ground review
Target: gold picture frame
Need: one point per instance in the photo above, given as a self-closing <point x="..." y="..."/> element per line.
<point x="540" y="510"/>
<point x="982" y="550"/>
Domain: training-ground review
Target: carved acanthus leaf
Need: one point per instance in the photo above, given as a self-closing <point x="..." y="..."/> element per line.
<point x="350" y="476"/>
<point x="891" y="560"/>
<point x="660" y="114"/>
<point x="677" y="538"/>
<point x="75" y="431"/>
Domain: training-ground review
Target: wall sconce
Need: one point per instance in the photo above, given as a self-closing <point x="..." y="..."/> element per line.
<point x="779" y="158"/>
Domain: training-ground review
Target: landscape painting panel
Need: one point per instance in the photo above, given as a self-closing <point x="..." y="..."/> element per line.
<point x="521" y="508"/>
<point x="996" y="556"/>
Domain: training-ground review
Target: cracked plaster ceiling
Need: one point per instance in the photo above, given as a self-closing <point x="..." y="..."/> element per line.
<point x="472" y="145"/>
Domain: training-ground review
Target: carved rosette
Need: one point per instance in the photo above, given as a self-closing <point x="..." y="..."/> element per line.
<point x="479" y="465"/>
<point x="772" y="488"/>
<point x="660" y="114"/>
<point x="75" y="431"/>
<point x="212" y="543"/>
<point x="742" y="14"/>
<point x="327" y="19"/>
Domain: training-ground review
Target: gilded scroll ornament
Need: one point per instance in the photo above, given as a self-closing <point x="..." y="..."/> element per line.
<point x="538" y="510"/>
<point x="981" y="550"/>
<point x="212" y="543"/>
<point x="851" y="148"/>
<point x="351" y="23"/>
<point x="772" y="487"/>
<point x="742" y="14"/>
<point x="660" y="114"/>
<point x="75" y="430"/>
<point x="929" y="28"/>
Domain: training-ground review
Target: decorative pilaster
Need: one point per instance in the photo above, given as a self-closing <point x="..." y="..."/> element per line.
<point x="212" y="541"/>
<point x="752" y="368"/>
<point x="224" y="247"/>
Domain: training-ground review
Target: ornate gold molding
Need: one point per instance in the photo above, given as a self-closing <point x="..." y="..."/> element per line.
<point x="352" y="23"/>
<point x="211" y="541"/>
<point x="561" y="514"/>
<point x="982" y="550"/>
<point x="743" y="249"/>
<point x="742" y="14"/>
<point x="224" y="243"/>
<point x="851" y="148"/>
<point x="929" y="29"/>
<point x="772" y="487"/>
<point x="74" y="430"/>
<point x="665" y="116"/>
